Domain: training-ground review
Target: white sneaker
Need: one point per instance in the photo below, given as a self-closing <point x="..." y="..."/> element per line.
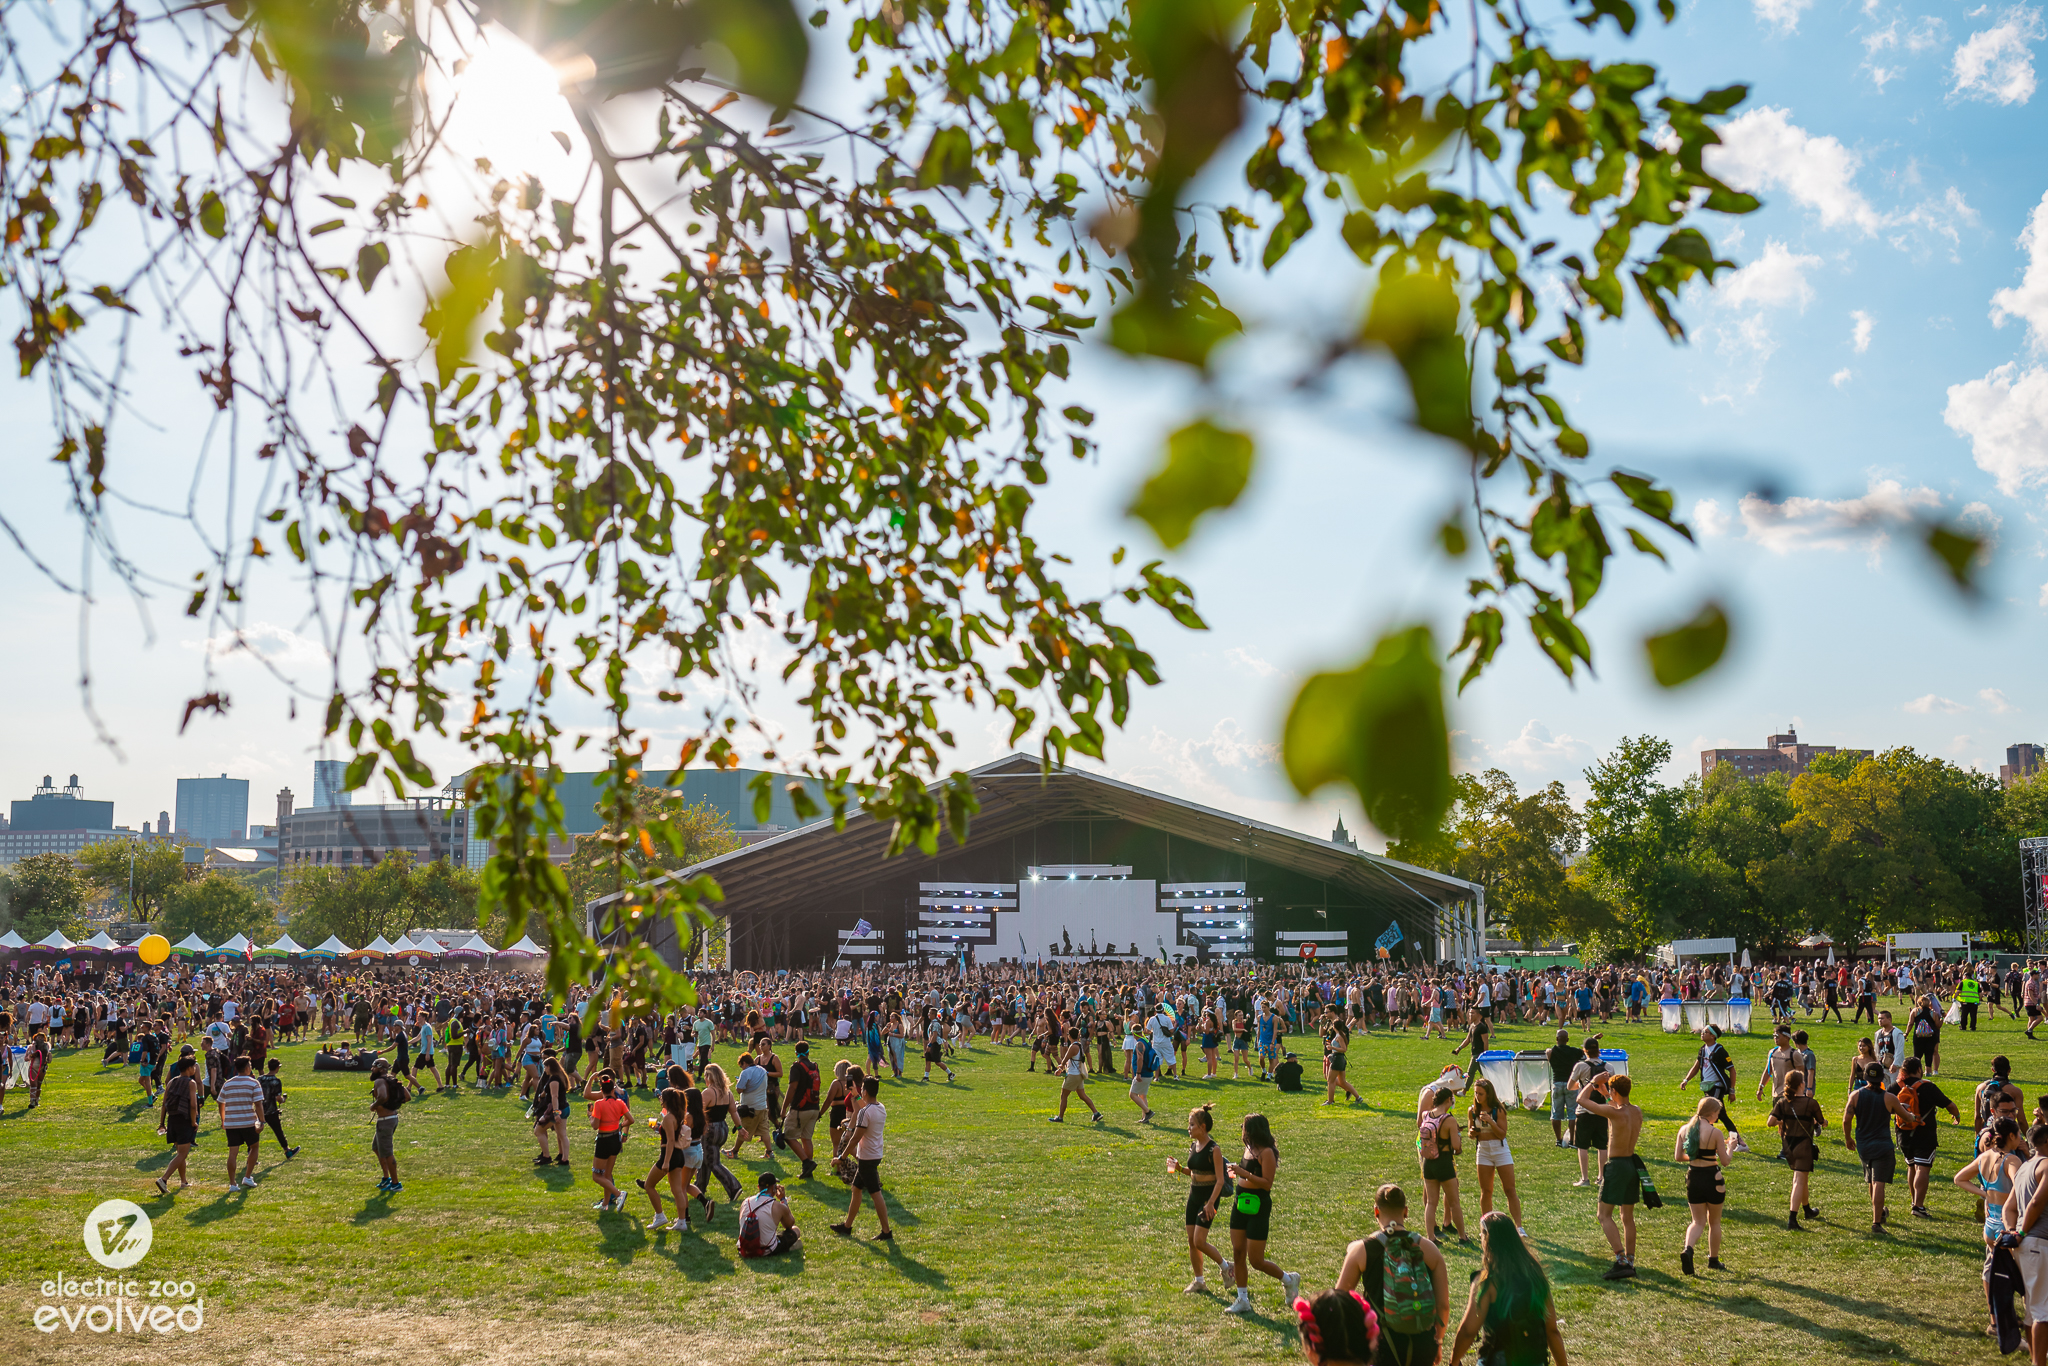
<point x="604" y="1202"/>
<point x="1225" y="1273"/>
<point x="1290" y="1285"/>
<point x="1196" y="1286"/>
<point x="619" y="1206"/>
<point x="658" y="1221"/>
<point x="1241" y="1305"/>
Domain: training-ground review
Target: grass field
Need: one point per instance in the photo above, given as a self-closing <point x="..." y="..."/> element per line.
<point x="1017" y="1241"/>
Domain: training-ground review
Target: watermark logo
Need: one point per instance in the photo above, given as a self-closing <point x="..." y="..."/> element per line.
<point x="118" y="1234"/>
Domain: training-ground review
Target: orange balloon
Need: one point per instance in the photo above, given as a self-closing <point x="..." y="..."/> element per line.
<point x="153" y="948"/>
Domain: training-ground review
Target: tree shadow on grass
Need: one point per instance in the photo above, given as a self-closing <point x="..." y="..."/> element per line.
<point x="1842" y="1342"/>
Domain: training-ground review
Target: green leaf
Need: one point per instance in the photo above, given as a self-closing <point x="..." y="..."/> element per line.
<point x="1379" y="727"/>
<point x="213" y="216"/>
<point x="1206" y="467"/>
<point x="1416" y="318"/>
<point x="1685" y="652"/>
<point x="767" y="42"/>
<point x="948" y="160"/>
<point x="1958" y="552"/>
<point x="370" y="262"/>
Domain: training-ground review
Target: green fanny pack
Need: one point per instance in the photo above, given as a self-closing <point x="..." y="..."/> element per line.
<point x="1249" y="1202"/>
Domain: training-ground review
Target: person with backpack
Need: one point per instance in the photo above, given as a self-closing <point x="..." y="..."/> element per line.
<point x="1716" y="1071"/>
<point x="1866" y="1131"/>
<point x="1149" y="1063"/>
<point x="1510" y="1312"/>
<point x="1924" y="1025"/>
<point x="1403" y="1276"/>
<point x="1437" y="1142"/>
<point x="273" y="1096"/>
<point x="767" y="1228"/>
<point x="1918" y="1102"/>
<point x="387" y="1096"/>
<point x="1798" y="1119"/>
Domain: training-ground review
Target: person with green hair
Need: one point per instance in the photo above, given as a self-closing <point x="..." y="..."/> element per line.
<point x="1510" y="1312"/>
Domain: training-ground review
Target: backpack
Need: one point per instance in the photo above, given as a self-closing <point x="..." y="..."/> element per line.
<point x="394" y="1093"/>
<point x="1151" y="1057"/>
<point x="1910" y="1117"/>
<point x="1408" y="1293"/>
<point x="754" y="1239"/>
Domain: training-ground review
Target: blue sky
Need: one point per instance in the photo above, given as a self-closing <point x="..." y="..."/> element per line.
<point x="1878" y="356"/>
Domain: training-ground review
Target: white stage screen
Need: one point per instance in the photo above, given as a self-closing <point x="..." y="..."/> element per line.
<point x="1093" y="914"/>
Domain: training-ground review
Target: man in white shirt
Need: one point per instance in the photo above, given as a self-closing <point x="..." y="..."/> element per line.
<point x="1161" y="1026"/>
<point x="1891" y="1045"/>
<point x="864" y="1141"/>
<point x="241" y="1116"/>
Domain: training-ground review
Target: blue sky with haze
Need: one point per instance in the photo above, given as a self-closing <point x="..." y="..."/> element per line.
<point x="1880" y="355"/>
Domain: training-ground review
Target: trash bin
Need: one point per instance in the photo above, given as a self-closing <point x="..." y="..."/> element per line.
<point x="1696" y="1016"/>
<point x="1738" y="1015"/>
<point x="1616" y="1060"/>
<point x="1673" y="1011"/>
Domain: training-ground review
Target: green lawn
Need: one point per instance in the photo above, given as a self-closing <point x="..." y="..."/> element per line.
<point x="1018" y="1240"/>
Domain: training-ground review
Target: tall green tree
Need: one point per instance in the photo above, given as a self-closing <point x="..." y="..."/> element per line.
<point x="41" y="893"/>
<point x="140" y="876"/>
<point x="1633" y="823"/>
<point x="217" y="907"/>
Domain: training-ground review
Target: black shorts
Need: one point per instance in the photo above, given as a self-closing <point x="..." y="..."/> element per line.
<point x="869" y="1175"/>
<point x="1198" y="1206"/>
<point x="243" y="1138"/>
<point x="609" y="1145"/>
<point x="1917" y="1146"/>
<point x="1800" y="1154"/>
<point x="179" y="1131"/>
<point x="1336" y="1061"/>
<point x="1253" y="1225"/>
<point x="1880" y="1161"/>
<point x="1443" y="1168"/>
<point x="1705" y="1186"/>
<point x="1590" y="1132"/>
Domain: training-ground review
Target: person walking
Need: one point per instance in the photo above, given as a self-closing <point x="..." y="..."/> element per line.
<point x="1703" y="1150"/>
<point x="1867" y="1132"/>
<point x="1798" y="1119"/>
<point x="1488" y="1119"/>
<point x="2029" y="1220"/>
<point x="1510" y="1312"/>
<point x="672" y="1142"/>
<point x="551" y="1115"/>
<point x="611" y="1117"/>
<point x="1205" y="1187"/>
<point x="1404" y="1277"/>
<point x="1918" y="1100"/>
<point x="178" y="1121"/>
<point x="800" y="1109"/>
<point x="865" y="1138"/>
<point x="1437" y="1142"/>
<point x="1606" y="1097"/>
<point x="718" y="1104"/>
<point x="240" y="1111"/>
<point x="274" y="1096"/>
<point x="1716" y="1071"/>
<point x="387" y="1097"/>
<point x="1251" y="1214"/>
<point x="1073" y="1082"/>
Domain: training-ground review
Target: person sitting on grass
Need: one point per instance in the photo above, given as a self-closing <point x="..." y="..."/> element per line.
<point x="1287" y="1076"/>
<point x="767" y="1228"/>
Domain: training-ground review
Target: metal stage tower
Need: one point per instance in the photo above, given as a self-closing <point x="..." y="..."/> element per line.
<point x="2034" y="885"/>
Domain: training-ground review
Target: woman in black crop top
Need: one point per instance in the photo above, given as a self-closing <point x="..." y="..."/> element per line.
<point x="1202" y="1172"/>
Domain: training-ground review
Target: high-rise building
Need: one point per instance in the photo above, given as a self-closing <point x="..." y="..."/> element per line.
<point x="2022" y="761"/>
<point x="56" y="821"/>
<point x="1781" y="754"/>
<point x="213" y="809"/>
<point x="328" y="778"/>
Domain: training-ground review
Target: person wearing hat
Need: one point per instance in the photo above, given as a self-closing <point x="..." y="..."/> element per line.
<point x="767" y="1228"/>
<point x="1288" y="1074"/>
<point x="800" y="1108"/>
<point x="1589" y="1131"/>
<point x="1716" y="1071"/>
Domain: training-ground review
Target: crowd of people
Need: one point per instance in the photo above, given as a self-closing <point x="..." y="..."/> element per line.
<point x="413" y="1029"/>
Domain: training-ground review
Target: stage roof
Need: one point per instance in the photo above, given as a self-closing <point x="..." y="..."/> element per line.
<point x="786" y="871"/>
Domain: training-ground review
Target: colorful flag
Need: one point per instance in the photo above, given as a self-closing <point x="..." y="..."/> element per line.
<point x="861" y="929"/>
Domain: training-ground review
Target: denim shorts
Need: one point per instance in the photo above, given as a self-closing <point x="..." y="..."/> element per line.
<point x="1564" y="1102"/>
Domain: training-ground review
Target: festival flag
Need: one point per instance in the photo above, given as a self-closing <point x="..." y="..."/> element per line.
<point x="1390" y="938"/>
<point x="861" y="928"/>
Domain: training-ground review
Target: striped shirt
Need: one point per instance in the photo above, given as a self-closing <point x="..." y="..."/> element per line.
<point x="242" y="1098"/>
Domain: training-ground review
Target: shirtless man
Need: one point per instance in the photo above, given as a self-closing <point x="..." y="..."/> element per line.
<point x="1621" y="1184"/>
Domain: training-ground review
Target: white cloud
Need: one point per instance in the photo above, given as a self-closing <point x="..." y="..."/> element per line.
<point x="1881" y="76"/>
<point x="1834" y="523"/>
<point x="1763" y="149"/>
<point x="1859" y="336"/>
<point x="1841" y="377"/>
<point x="1928" y="705"/>
<point x="1536" y="748"/>
<point x="1878" y="41"/>
<point x="2005" y="415"/>
<point x="1979" y="517"/>
<point x="1926" y="34"/>
<point x="277" y="646"/>
<point x="1244" y="658"/>
<point x="1997" y="63"/>
<point x="1782" y="15"/>
<point x="2029" y="302"/>
<point x="1773" y="280"/>
<point x="1995" y="702"/>
<point x="2044" y="596"/>
<point x="1710" y="517"/>
<point x="1942" y="218"/>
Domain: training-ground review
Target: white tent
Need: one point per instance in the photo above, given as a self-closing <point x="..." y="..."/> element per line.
<point x="283" y="947"/>
<point x="414" y="952"/>
<point x="476" y="946"/>
<point x="191" y="946"/>
<point x="103" y="942"/>
<point x="11" y="940"/>
<point x="330" y="947"/>
<point x="525" y="948"/>
<point x="55" y="941"/>
<point x="234" y="948"/>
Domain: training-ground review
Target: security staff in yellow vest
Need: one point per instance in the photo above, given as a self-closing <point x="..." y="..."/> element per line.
<point x="1966" y="996"/>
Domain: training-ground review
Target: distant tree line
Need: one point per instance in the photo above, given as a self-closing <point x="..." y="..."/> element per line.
<point x="1853" y="847"/>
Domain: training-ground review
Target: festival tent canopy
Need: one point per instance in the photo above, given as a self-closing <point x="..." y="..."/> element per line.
<point x="234" y="948"/>
<point x="190" y="946"/>
<point x="525" y="948"/>
<point x="103" y="943"/>
<point x="285" y="947"/>
<point x="331" y="947"/>
<point x="424" y="947"/>
<point x="376" y="948"/>
<point x="11" y="940"/>
<point x="476" y="946"/>
<point x="54" y="942"/>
